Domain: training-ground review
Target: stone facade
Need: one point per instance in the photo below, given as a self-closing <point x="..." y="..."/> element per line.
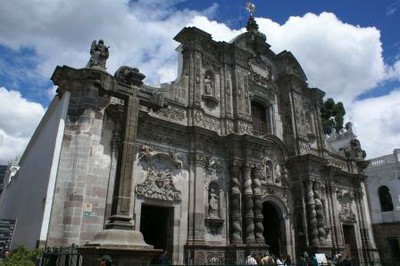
<point x="383" y="190"/>
<point x="229" y="158"/>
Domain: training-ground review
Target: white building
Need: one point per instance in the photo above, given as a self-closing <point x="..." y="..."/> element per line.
<point x="383" y="186"/>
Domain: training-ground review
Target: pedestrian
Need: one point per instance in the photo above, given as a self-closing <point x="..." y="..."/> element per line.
<point x="251" y="260"/>
<point x="105" y="260"/>
<point x="267" y="259"/>
<point x="279" y="261"/>
<point x="163" y="258"/>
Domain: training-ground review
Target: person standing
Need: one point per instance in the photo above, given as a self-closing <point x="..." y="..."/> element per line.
<point x="251" y="260"/>
<point x="164" y="258"/>
<point x="105" y="260"/>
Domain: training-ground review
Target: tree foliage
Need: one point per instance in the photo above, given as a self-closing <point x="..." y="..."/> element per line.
<point x="332" y="115"/>
<point x="22" y="257"/>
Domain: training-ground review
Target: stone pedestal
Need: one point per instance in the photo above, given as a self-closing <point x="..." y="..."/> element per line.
<point x="126" y="248"/>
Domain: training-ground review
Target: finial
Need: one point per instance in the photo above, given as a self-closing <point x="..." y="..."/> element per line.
<point x="251" y="8"/>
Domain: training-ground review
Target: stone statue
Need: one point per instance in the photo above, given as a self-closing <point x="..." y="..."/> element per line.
<point x="208" y="83"/>
<point x="99" y="54"/>
<point x="213" y="204"/>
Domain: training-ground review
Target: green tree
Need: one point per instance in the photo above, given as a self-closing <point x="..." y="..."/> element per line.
<point x="332" y="115"/>
<point x="22" y="257"/>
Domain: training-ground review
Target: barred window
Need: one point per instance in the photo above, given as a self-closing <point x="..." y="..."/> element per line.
<point x="260" y="118"/>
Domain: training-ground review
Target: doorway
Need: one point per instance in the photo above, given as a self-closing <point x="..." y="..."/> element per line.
<point x="272" y="229"/>
<point x="350" y="242"/>
<point x="156" y="225"/>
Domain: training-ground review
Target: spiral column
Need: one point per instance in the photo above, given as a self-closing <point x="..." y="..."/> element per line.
<point x="258" y="216"/>
<point x="235" y="206"/>
<point x="248" y="206"/>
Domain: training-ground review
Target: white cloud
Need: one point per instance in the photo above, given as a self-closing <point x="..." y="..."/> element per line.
<point x="140" y="34"/>
<point x="342" y="59"/>
<point x="393" y="72"/>
<point x="18" y="120"/>
<point x="376" y="123"/>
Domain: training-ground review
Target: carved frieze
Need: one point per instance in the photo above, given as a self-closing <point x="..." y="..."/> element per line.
<point x="337" y="162"/>
<point x="245" y="128"/>
<point x="173" y="113"/>
<point x="215" y="258"/>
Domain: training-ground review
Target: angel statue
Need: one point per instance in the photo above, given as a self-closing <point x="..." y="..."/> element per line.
<point x="99" y="54"/>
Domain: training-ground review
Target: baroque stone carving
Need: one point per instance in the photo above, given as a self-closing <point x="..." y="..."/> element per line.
<point x="248" y="205"/>
<point x="158" y="185"/>
<point x="312" y="214"/>
<point x="129" y="75"/>
<point x="145" y="150"/>
<point x="258" y="215"/>
<point x="98" y="54"/>
<point x="213" y="201"/>
<point x="345" y="199"/>
<point x="235" y="207"/>
<point x="173" y="113"/>
<point x="177" y="160"/>
<point x="320" y="212"/>
<point x="213" y="165"/>
<point x="353" y="150"/>
<point x="159" y="172"/>
<point x="214" y="258"/>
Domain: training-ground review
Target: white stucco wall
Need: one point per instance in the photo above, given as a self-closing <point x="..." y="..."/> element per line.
<point x="384" y="171"/>
<point x="26" y="198"/>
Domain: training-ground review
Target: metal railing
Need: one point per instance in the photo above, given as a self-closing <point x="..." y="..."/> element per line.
<point x="61" y="256"/>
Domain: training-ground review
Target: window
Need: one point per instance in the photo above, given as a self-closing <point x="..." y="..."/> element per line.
<point x="385" y="199"/>
<point x="260" y="118"/>
<point x="394" y="249"/>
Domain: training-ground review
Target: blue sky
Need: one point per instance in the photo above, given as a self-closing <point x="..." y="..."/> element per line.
<point x="348" y="48"/>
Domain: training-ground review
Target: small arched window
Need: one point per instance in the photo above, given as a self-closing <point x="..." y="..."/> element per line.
<point x="385" y="199"/>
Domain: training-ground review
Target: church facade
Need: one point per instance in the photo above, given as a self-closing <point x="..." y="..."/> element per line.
<point x="228" y="159"/>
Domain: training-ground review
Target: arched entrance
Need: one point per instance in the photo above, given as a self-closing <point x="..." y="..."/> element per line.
<point x="273" y="229"/>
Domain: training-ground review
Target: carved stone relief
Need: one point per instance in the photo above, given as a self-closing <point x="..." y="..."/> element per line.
<point x="159" y="171"/>
<point x="173" y="113"/>
<point x="273" y="171"/>
<point x="214" y="258"/>
<point x="346" y="199"/>
<point x="245" y="128"/>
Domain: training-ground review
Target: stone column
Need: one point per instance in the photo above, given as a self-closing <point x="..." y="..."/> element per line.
<point x="312" y="215"/>
<point x="258" y="216"/>
<point x="320" y="213"/>
<point x="235" y="206"/>
<point x="248" y="206"/>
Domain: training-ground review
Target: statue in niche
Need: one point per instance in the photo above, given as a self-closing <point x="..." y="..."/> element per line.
<point x="208" y="85"/>
<point x="268" y="170"/>
<point x="278" y="173"/>
<point x="98" y="54"/>
<point x="213" y="203"/>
